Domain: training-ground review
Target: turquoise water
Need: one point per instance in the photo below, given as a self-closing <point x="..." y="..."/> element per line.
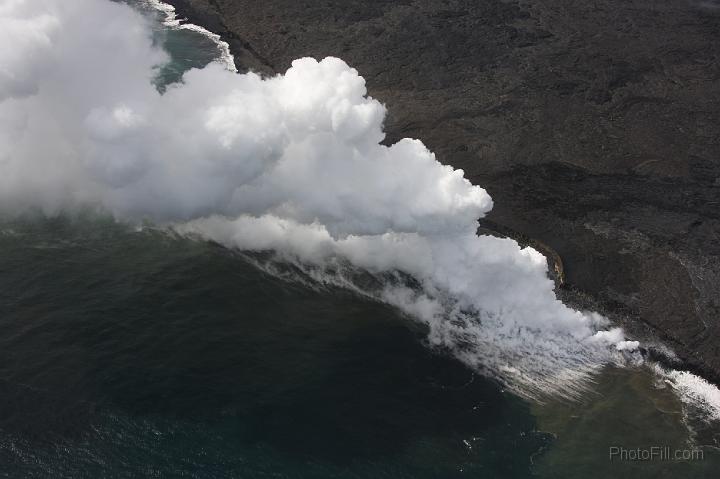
<point x="187" y="49"/>
<point x="131" y="352"/>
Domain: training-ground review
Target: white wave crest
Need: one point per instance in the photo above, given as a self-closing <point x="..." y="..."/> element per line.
<point x="693" y="390"/>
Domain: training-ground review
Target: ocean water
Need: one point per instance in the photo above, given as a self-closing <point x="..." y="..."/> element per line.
<point x="128" y="351"/>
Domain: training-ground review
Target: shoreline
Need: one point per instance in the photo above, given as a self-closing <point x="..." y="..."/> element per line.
<point x="243" y="56"/>
<point x="177" y="21"/>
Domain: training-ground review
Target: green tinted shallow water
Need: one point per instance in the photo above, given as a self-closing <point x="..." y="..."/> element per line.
<point x="129" y="353"/>
<point x="627" y="408"/>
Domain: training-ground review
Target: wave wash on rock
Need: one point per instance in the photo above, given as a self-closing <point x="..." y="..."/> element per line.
<point x="291" y="164"/>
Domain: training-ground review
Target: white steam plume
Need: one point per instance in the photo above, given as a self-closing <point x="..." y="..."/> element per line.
<point x="292" y="164"/>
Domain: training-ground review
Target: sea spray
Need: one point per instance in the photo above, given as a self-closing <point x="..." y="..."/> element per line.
<point x="696" y="393"/>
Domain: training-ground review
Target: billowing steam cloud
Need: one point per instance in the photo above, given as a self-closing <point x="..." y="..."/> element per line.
<point x="292" y="164"/>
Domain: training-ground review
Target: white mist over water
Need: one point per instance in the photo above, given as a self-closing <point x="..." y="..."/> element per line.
<point x="291" y="164"/>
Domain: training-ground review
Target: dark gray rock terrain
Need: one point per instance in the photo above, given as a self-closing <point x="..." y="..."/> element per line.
<point x="594" y="125"/>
